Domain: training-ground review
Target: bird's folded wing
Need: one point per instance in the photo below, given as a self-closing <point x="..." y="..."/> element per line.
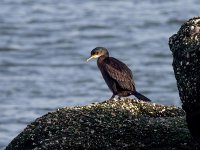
<point x="118" y="70"/>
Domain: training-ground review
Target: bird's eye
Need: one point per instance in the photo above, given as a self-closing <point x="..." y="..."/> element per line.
<point x="97" y="53"/>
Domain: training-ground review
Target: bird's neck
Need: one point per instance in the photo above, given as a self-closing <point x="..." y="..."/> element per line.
<point x="101" y="58"/>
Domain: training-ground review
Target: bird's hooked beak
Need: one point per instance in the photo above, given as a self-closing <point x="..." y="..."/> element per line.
<point x="92" y="56"/>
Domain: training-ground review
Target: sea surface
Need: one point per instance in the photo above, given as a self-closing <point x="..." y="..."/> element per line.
<point x="44" y="44"/>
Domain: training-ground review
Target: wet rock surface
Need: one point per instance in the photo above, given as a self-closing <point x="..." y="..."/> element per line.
<point x="125" y="124"/>
<point x="185" y="47"/>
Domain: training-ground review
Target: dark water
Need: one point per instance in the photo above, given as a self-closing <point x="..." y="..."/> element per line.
<point x="43" y="46"/>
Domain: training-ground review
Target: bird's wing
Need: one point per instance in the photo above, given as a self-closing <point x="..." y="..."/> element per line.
<point x="118" y="71"/>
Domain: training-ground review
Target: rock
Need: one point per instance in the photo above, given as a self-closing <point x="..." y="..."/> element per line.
<point x="124" y="124"/>
<point x="185" y="47"/>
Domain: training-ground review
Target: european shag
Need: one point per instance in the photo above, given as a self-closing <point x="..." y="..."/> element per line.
<point x="116" y="74"/>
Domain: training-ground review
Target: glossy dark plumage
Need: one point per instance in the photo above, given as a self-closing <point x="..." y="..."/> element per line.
<point x="116" y="74"/>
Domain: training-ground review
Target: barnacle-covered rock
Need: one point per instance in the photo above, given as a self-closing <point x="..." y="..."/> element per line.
<point x="124" y="124"/>
<point x="185" y="47"/>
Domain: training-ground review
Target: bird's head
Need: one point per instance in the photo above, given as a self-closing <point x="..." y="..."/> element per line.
<point x="97" y="52"/>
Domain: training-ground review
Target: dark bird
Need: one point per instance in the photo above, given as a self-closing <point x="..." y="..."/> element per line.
<point x="116" y="74"/>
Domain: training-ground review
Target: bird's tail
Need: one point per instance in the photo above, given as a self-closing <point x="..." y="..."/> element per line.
<point x="140" y="96"/>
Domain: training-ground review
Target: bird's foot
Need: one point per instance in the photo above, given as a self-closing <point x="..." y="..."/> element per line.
<point x="112" y="97"/>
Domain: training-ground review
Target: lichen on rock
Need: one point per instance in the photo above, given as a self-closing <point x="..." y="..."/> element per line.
<point x="124" y="124"/>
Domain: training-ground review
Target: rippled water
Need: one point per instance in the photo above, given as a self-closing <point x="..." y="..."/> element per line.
<point x="43" y="46"/>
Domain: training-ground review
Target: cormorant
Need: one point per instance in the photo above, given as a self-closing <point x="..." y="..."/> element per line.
<point x="116" y="74"/>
